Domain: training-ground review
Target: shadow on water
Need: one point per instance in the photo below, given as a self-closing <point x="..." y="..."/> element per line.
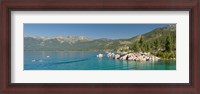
<point x="67" y="62"/>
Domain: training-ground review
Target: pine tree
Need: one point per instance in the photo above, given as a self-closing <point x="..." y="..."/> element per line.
<point x="157" y="44"/>
<point x="141" y="43"/>
<point x="148" y="47"/>
<point x="136" y="47"/>
<point x="168" y="45"/>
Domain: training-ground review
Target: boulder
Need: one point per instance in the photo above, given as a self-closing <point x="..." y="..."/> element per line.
<point x="125" y="57"/>
<point x="156" y="58"/>
<point x="131" y="58"/>
<point x="100" y="55"/>
<point x="117" y="56"/>
<point x="141" y="58"/>
<point x="124" y="53"/>
<point x="109" y="55"/>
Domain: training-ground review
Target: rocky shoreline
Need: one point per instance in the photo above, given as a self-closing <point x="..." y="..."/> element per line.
<point x="140" y="56"/>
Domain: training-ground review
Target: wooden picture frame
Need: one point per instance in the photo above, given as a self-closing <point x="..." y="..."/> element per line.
<point x="139" y="88"/>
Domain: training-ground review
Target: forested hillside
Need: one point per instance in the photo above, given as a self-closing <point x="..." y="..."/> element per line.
<point x="160" y="42"/>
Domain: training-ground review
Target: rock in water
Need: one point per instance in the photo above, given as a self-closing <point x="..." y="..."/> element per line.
<point x="109" y="55"/>
<point x="117" y="56"/>
<point x="125" y="57"/>
<point x="100" y="55"/>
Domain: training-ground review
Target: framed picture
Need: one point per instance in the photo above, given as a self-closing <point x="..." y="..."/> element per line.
<point x="143" y="47"/>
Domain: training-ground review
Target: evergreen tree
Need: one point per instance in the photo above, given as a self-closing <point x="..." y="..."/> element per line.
<point x="136" y="47"/>
<point x="168" y="45"/>
<point x="157" y="44"/>
<point x="148" y="47"/>
<point x="141" y="43"/>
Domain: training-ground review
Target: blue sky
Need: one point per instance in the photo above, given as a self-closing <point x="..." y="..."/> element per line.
<point x="94" y="31"/>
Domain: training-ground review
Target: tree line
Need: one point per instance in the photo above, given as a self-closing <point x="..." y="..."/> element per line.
<point x="164" y="47"/>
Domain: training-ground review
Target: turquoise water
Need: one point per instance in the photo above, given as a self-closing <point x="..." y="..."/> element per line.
<point x="85" y="60"/>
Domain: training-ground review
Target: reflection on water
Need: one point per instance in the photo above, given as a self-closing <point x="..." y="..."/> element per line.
<point x="85" y="60"/>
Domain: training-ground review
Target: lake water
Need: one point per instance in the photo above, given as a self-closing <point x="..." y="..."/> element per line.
<point x="85" y="60"/>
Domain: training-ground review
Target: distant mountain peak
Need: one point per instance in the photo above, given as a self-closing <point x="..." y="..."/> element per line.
<point x="62" y="39"/>
<point x="82" y="43"/>
<point x="104" y="39"/>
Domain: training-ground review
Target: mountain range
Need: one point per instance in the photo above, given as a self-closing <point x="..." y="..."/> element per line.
<point x="83" y="43"/>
